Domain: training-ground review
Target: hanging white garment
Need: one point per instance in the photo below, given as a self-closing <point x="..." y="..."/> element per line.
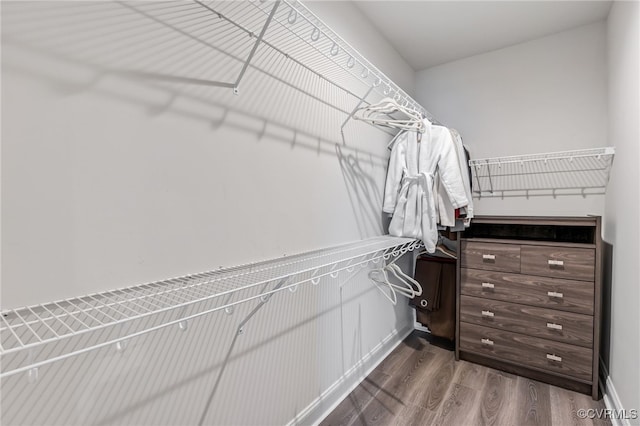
<point x="444" y="206"/>
<point x="464" y="170"/>
<point x="404" y="188"/>
<point x="409" y="190"/>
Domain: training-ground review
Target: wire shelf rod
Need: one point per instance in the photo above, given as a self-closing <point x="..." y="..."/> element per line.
<point x="57" y="318"/>
<point x="71" y="315"/>
<point x="266" y="42"/>
<point x="517" y="172"/>
<point x="79" y="309"/>
<point x="12" y="331"/>
<point x="100" y="302"/>
<point x="222" y="27"/>
<point x="43" y="322"/>
<point x="544" y="188"/>
<point x="102" y="324"/>
<point x="155" y="295"/>
<point x="552" y="156"/>
<point x="303" y="11"/>
<point x="287" y="28"/>
<point x="133" y="302"/>
<point x="578" y="169"/>
<point x="381" y="253"/>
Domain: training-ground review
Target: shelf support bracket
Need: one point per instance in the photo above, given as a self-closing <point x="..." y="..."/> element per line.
<point x="489" y="173"/>
<point x="362" y="100"/>
<point x="478" y="179"/>
<point x="255" y="46"/>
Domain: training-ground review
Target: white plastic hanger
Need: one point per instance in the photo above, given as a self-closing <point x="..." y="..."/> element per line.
<point x="416" y="288"/>
<point x="405" y="289"/>
<point x="410" y="288"/>
<point x="379" y="114"/>
<point x="393" y="298"/>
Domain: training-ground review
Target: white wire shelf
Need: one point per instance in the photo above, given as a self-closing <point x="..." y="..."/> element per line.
<point x="38" y="335"/>
<point x="214" y="49"/>
<point x="340" y="54"/>
<point x="585" y="171"/>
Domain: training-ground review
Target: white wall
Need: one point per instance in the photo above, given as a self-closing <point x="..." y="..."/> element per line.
<point x="109" y="181"/>
<point x="545" y="95"/>
<point x="622" y="231"/>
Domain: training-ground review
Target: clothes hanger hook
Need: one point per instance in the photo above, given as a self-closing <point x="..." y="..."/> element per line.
<point x="315" y="34"/>
<point x="293" y="15"/>
<point x="334" y="49"/>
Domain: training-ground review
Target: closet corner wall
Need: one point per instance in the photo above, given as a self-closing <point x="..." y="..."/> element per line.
<point x="508" y="122"/>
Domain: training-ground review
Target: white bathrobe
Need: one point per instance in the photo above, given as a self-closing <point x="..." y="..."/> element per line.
<point x="409" y="189"/>
<point x="444" y="206"/>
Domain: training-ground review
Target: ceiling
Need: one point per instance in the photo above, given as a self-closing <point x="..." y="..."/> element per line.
<point x="429" y="33"/>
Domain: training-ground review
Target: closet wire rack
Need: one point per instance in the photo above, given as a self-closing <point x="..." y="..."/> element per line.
<point x="216" y="44"/>
<point x="585" y="171"/>
<point x="38" y="335"/>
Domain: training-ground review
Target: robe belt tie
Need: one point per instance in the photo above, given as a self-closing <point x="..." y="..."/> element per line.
<point x="424" y="181"/>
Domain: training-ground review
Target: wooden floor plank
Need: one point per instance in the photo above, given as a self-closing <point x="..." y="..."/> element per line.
<point x="470" y="375"/>
<point x="413" y="415"/>
<point x="495" y="402"/>
<point x="413" y="343"/>
<point x="533" y="403"/>
<point x="566" y="405"/>
<point x="352" y="406"/>
<point x="390" y="401"/>
<point x="436" y="382"/>
<point x="457" y="406"/>
<point x="422" y="384"/>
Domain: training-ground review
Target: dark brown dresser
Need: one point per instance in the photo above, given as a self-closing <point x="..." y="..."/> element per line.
<point x="528" y="298"/>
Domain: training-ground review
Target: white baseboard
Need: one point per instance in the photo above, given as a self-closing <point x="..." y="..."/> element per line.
<point x="610" y="396"/>
<point x="311" y="415"/>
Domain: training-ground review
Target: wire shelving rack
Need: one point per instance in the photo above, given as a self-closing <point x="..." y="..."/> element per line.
<point x="233" y="46"/>
<point x="568" y="172"/>
<point x="33" y="336"/>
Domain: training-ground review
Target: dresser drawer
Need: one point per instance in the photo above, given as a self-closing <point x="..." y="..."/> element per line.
<point x="553" y="293"/>
<point x="491" y="256"/>
<point x="560" y="262"/>
<point x="574" y="361"/>
<point x="567" y="327"/>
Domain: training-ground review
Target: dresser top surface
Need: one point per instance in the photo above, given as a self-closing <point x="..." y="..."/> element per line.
<point x="540" y="220"/>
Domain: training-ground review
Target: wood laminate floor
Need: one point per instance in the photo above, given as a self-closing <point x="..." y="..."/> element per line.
<point x="422" y="384"/>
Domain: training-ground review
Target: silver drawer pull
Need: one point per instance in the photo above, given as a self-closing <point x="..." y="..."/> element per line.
<point x="489" y="256"/>
<point x="487" y="342"/>
<point x="487" y="285"/>
<point x="554" y="326"/>
<point x="555" y="294"/>
<point x="556" y="262"/>
<point x="488" y="314"/>
<point x="554" y="358"/>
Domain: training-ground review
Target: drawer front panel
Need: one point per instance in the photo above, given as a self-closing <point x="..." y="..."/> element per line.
<point x="560" y="262"/>
<point x="574" y="361"/>
<point x="491" y="256"/>
<point x="553" y="293"/>
<point x="567" y="327"/>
